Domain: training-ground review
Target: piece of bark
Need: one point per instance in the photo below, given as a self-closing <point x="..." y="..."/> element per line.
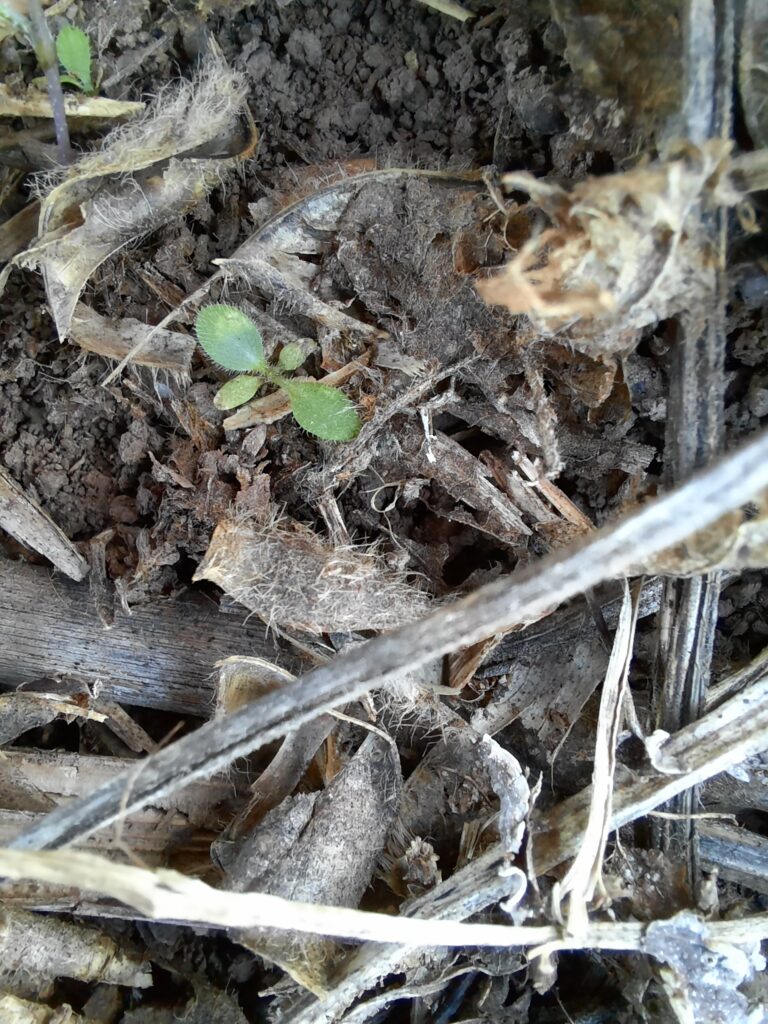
<point x="467" y="480"/>
<point x="46" y="947"/>
<point x="320" y="848"/>
<point x="64" y="776"/>
<point x="22" y="711"/>
<point x="566" y="626"/>
<point x="524" y="597"/>
<point x="33" y="782"/>
<point x="547" y="686"/>
<point x="30" y="525"/>
<point x="737" y="854"/>
<point x="745" y="788"/>
<point x="161" y="349"/>
<point x="160" y="656"/>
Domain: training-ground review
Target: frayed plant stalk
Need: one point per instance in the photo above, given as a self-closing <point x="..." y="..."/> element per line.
<point x="168" y="895"/>
<point x="293" y="579"/>
<point x="624" y="251"/>
<point x="117" y="193"/>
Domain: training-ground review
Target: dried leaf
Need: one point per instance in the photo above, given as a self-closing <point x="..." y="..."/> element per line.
<point x="626" y="251"/>
<point x="105" y="202"/>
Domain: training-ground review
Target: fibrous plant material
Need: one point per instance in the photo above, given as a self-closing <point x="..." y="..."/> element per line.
<point x="114" y="196"/>
<point x="317" y="588"/>
<point x="523" y="598"/>
<point x="624" y="252"/>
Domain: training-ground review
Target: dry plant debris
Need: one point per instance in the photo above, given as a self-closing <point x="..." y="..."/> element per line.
<point x="464" y="718"/>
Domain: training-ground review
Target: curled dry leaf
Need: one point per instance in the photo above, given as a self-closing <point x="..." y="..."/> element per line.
<point x="320" y="848"/>
<point x="624" y="251"/>
<point x="146" y="173"/>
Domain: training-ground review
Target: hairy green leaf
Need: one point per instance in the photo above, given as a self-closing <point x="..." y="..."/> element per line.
<point x="291" y="357"/>
<point x="237" y="391"/>
<point x="74" y="51"/>
<point x="230" y="338"/>
<point x="322" y="410"/>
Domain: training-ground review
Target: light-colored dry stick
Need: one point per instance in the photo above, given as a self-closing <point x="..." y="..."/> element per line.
<point x="30" y="525"/>
<point x="170" y="896"/>
<point x="37" y="104"/>
<point x="584" y="874"/>
<point x="453" y="10"/>
<point x="523" y="597"/>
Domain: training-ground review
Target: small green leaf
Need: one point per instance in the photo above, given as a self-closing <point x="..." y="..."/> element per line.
<point x="230" y="338"/>
<point x="74" y="52"/>
<point x="322" y="410"/>
<point x="237" y="391"/>
<point x="291" y="357"/>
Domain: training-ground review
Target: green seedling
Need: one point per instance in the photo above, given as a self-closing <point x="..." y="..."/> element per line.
<point x="73" y="49"/>
<point x="233" y="340"/>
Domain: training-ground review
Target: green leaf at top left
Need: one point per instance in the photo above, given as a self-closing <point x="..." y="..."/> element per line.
<point x="230" y="338"/>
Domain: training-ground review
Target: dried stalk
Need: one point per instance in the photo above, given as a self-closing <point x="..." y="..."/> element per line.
<point x="524" y="597"/>
<point x="169" y="896"/>
<point x="695" y="423"/>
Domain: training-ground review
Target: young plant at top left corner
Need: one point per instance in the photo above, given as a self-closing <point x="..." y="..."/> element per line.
<point x="233" y="341"/>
